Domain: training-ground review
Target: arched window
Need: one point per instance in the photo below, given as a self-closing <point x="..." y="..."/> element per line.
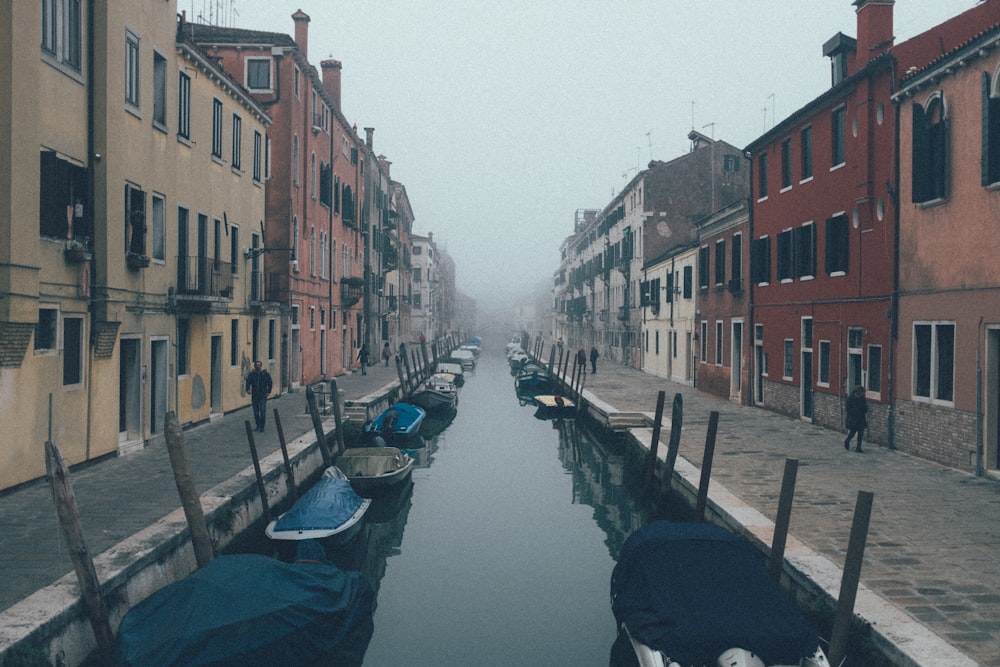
<point x="991" y="129"/>
<point x="295" y="160"/>
<point x="312" y="176"/>
<point x="930" y="150"/>
<point x="312" y="251"/>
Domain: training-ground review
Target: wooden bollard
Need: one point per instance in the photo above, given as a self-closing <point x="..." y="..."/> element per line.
<point x="674" y="445"/>
<point x="293" y="491"/>
<point x="552" y="357"/>
<point x="261" y="487"/>
<point x="324" y="449"/>
<point x="338" y="419"/>
<point x="851" y="577"/>
<point x="190" y="500"/>
<point x="69" y="518"/>
<point x="706" y="466"/>
<point x="654" y="443"/>
<point x="783" y="519"/>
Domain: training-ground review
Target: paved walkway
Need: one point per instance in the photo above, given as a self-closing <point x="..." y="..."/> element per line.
<point x="933" y="541"/>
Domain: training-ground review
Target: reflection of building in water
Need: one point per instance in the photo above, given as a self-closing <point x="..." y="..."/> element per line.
<point x="599" y="481"/>
<point x="386" y="520"/>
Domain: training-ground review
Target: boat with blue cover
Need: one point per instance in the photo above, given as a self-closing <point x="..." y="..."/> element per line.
<point x="694" y="594"/>
<point x="331" y="512"/>
<point x="398" y="424"/>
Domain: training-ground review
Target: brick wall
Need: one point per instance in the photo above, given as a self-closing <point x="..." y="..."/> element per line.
<point x="937" y="433"/>
<point x="828" y="410"/>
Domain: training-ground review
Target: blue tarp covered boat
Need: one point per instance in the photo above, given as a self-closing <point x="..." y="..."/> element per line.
<point x="330" y="511"/>
<point x="249" y="610"/>
<point x="397" y="424"/>
<point x="692" y="591"/>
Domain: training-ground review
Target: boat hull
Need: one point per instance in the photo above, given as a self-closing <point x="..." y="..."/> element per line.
<point x="374" y="469"/>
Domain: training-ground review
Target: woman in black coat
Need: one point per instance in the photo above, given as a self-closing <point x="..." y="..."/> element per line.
<point x="857" y="419"/>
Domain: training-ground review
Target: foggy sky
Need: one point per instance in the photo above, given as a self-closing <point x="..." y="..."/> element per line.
<point x="502" y="118"/>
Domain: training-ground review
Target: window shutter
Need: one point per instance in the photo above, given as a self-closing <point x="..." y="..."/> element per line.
<point x="986" y="116"/>
<point x="920" y="177"/>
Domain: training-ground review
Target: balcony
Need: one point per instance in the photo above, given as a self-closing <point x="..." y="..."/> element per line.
<point x="267" y="288"/>
<point x="204" y="284"/>
<point x="351" y="290"/>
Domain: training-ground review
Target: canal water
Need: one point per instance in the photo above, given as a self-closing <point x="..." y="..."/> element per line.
<point x="501" y="550"/>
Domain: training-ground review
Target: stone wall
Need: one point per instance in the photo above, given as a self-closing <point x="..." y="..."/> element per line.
<point x="941" y="434"/>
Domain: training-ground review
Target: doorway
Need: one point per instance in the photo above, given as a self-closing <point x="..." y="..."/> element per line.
<point x="736" y="362"/>
<point x="159" y="380"/>
<point x="130" y="395"/>
<point x="215" y="377"/>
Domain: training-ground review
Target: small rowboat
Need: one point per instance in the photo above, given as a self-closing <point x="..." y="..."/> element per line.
<point x="372" y="469"/>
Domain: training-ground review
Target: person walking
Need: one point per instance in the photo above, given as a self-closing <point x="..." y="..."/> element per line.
<point x="593" y="359"/>
<point x="857" y="420"/>
<point x="364" y="358"/>
<point x="581" y="360"/>
<point x="386" y="352"/>
<point x="258" y="385"/>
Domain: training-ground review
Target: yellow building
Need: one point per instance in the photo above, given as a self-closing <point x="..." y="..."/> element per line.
<point x="132" y="175"/>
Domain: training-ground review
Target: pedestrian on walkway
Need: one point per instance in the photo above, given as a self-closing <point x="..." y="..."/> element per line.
<point x="386" y="353"/>
<point x="559" y="348"/>
<point x="363" y="357"/>
<point x="258" y="385"/>
<point x="593" y="359"/>
<point x="581" y="360"/>
<point x="857" y="420"/>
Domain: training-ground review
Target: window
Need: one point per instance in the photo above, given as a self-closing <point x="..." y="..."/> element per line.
<point x="255" y="339"/>
<point x="762" y="176"/>
<point x="326" y="184"/>
<point x="184" y="106"/>
<point x="257" y="155"/>
<point x="933" y="361"/>
<point x="930" y="150"/>
<point x="63" y="185"/>
<point x="786" y="164"/>
<point x="271" y="339"/>
<point x="837" y="245"/>
<point x="736" y="256"/>
<point x="72" y="348"/>
<point x="875" y="368"/>
<point x="237" y="140"/>
<point x="135" y="220"/>
<point x="855" y="373"/>
<point x="131" y="69"/>
<point x="991" y="134"/>
<point x="688" y="282"/>
<point x="760" y="260"/>
<point x="806" y="150"/>
<point x="217" y="128"/>
<point x="788" y="368"/>
<point x="159" y="229"/>
<point x="416" y="300"/>
<point x="234" y="249"/>
<point x="416" y="274"/>
<point x="786" y="253"/>
<point x="159" y="90"/>
<point x="62" y="35"/>
<point x="259" y="73"/>
<point x="312" y="176"/>
<point x="837" y="136"/>
<point x="295" y="160"/>
<point x="183" y="340"/>
<point x="824" y="364"/>
<point x="704" y="341"/>
<point x="312" y="251"/>
<point x="703" y="267"/>
<point x="718" y="343"/>
<point x="46" y="330"/>
<point x="805" y="251"/>
<point x="234" y="342"/>
<point x="720" y="262"/>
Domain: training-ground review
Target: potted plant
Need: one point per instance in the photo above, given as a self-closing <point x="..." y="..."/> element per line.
<point x="136" y="261"/>
<point x="75" y="251"/>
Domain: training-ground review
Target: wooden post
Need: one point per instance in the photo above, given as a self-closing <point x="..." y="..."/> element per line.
<point x="706" y="466"/>
<point x="552" y="357"/>
<point x="403" y="388"/>
<point x="676" y="422"/>
<point x="324" y="450"/>
<point x="261" y="487"/>
<point x="83" y="565"/>
<point x="190" y="500"/>
<point x="293" y="491"/>
<point x="783" y="518"/>
<point x="654" y="443"/>
<point x="423" y="353"/>
<point x="851" y="577"/>
<point x="338" y="418"/>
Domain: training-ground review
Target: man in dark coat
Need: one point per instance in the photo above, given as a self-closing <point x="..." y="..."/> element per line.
<point x="259" y="387"/>
<point x="593" y="359"/>
<point x="857" y="420"/>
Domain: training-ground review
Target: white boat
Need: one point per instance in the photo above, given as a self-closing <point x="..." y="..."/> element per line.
<point x="372" y="469"/>
<point x="465" y="357"/>
<point x="436" y="394"/>
<point x="694" y="595"/>
<point x="331" y="511"/>
<point x="452" y="368"/>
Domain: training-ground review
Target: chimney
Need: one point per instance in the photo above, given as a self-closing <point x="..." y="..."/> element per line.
<point x="874" y="29"/>
<point x="369" y="131"/>
<point x="331" y="80"/>
<point x="302" y="32"/>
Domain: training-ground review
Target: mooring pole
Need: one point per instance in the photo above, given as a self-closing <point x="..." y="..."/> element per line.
<point x="261" y="487"/>
<point x="324" y="449"/>
<point x="338" y="418"/>
<point x="654" y="443"/>
<point x="783" y="518"/>
<point x="190" y="500"/>
<point x="706" y="466"/>
<point x="851" y="577"/>
<point x="293" y="491"/>
<point x="69" y="517"/>
<point x="674" y="444"/>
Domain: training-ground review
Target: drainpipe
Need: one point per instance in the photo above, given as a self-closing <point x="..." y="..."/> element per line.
<point x="91" y="164"/>
<point x="894" y="301"/>
<point x="753" y="398"/>
<point x="979" y="400"/>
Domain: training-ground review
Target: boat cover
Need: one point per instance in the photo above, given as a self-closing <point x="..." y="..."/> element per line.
<point x="247" y="610"/>
<point x="328" y="505"/>
<point x="693" y="590"/>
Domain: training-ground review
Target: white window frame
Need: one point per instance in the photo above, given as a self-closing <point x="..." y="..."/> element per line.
<point x="133" y="67"/>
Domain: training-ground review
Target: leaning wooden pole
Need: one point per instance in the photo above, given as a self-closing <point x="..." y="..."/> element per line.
<point x="293" y="491"/>
<point x="261" y="487"/>
<point x="851" y="577"/>
<point x="783" y="519"/>
<point x="706" y="466"/>
<point x="338" y="419"/>
<point x="324" y="449"/>
<point x="654" y="443"/>
<point x="674" y="445"/>
<point x="190" y="500"/>
<point x="83" y="565"/>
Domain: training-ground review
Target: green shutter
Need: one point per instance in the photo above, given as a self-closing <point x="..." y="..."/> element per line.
<point x="920" y="177"/>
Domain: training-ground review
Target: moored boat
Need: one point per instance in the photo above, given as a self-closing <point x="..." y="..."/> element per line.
<point x="532" y="380"/>
<point x="331" y="512"/>
<point x="693" y="594"/>
<point x="435" y="394"/>
<point x="554" y="406"/>
<point x="453" y="369"/>
<point x="372" y="469"/>
<point x="400" y="423"/>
